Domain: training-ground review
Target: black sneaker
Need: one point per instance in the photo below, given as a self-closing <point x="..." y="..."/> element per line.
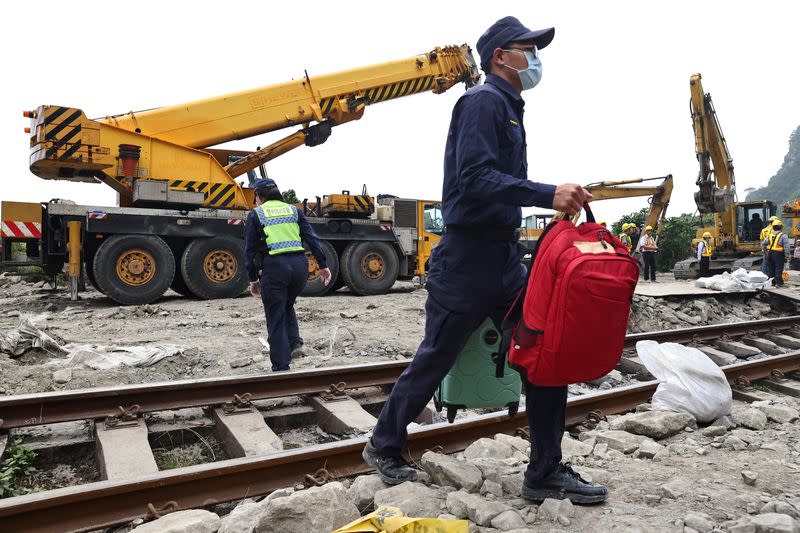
<point x="298" y="351"/>
<point x="392" y="470"/>
<point x="563" y="483"/>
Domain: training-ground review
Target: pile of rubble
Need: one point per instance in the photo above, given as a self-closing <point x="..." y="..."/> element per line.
<point x="664" y="473"/>
<point x="655" y="314"/>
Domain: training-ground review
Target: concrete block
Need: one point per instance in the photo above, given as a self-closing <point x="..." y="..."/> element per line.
<point x="341" y="415"/>
<point x="123" y="452"/>
<point x="738" y="349"/>
<point x="766" y="346"/>
<point x="718" y="356"/>
<point x="245" y="434"/>
<point x="784" y="341"/>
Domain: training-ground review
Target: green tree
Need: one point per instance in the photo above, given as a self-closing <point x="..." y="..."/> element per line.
<point x="290" y="197"/>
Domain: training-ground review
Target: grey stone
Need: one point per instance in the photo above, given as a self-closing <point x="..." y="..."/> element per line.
<point x="508" y="520"/>
<point x="518" y="443"/>
<point x="672" y="489"/>
<point x="512" y="483"/>
<point x="727" y="421"/>
<point x="777" y="506"/>
<point x="415" y="499"/>
<point x="574" y="448"/>
<point x="63" y="375"/>
<point x="316" y="509"/>
<point x="465" y="505"/>
<point x="490" y="487"/>
<point x="363" y="489"/>
<point x="280" y="493"/>
<point x="700" y="522"/>
<point x="618" y="440"/>
<point x="686" y="318"/>
<point x="773" y="523"/>
<point x="648" y="449"/>
<point x="556" y="510"/>
<point x="446" y="470"/>
<point x="751" y="418"/>
<point x="713" y="431"/>
<point x="243" y="518"/>
<point x="734" y="443"/>
<point x="240" y="362"/>
<point x="600" y="449"/>
<point x="488" y="448"/>
<point x="653" y="424"/>
<point x="740" y="526"/>
<point x="191" y="521"/>
<point x="777" y="413"/>
<point x="749" y="477"/>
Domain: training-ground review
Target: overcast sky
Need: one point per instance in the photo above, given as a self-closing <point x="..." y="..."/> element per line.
<point x="613" y="102"/>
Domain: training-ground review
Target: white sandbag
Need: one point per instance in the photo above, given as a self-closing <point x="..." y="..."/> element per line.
<point x="112" y="357"/>
<point x="689" y="381"/>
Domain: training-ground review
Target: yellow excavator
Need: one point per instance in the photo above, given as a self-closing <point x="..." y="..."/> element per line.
<point x="660" y="194"/>
<point x="736" y="225"/>
<point x="180" y="217"/>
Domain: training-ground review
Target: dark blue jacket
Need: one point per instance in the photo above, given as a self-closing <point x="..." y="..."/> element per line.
<point x="255" y="242"/>
<point x="485" y="162"/>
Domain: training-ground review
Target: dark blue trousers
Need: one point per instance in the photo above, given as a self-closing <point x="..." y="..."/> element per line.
<point x="283" y="276"/>
<point x="777" y="260"/>
<point x="469" y="279"/>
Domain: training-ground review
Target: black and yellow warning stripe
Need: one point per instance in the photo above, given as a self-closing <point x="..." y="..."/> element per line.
<point x="217" y="194"/>
<point x="386" y="92"/>
<point x="66" y="131"/>
<point x="363" y="202"/>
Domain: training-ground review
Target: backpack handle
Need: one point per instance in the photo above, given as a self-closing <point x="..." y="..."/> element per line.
<point x="589" y="214"/>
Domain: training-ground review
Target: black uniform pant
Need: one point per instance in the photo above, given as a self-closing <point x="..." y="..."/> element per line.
<point x="649" y="259"/>
<point x="469" y="279"/>
<point x="777" y="260"/>
<point x="705" y="261"/>
<point x="283" y="277"/>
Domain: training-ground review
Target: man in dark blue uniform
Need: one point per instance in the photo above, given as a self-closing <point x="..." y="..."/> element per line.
<point x="476" y="271"/>
<point x="273" y="237"/>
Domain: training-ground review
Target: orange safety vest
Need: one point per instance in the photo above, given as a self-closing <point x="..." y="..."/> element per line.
<point x="707" y="249"/>
<point x="774" y="243"/>
<point x="649" y="243"/>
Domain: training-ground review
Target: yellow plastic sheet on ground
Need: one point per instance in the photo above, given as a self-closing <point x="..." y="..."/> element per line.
<point x="387" y="519"/>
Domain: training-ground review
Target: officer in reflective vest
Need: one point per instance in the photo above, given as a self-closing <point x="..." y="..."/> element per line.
<point x="274" y="236"/>
<point x="776" y="248"/>
<point x="765" y="234"/>
<point x="704" y="251"/>
<point x="625" y="236"/>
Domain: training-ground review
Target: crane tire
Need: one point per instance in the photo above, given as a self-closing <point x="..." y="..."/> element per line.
<point x="314" y="285"/>
<point x="214" y="267"/>
<point x="133" y="269"/>
<point x="369" y="267"/>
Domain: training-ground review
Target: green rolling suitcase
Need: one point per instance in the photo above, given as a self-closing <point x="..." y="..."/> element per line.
<point x="473" y="383"/>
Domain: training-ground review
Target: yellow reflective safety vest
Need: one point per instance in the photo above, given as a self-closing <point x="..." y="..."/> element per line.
<point x="766" y="232"/>
<point x="775" y="244"/>
<point x="626" y="240"/>
<point x="707" y="249"/>
<point x="280" y="227"/>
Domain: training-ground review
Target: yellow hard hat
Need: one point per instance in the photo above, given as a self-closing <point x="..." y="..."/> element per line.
<point x="706" y="234"/>
<point x="648" y="228"/>
<point x="777" y="224"/>
<point x="602" y="223"/>
<point x="773" y="217"/>
<point x="625" y="226"/>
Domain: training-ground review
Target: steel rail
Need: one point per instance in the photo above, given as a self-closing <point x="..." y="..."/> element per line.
<point x="108" y="503"/>
<point x="83" y="404"/>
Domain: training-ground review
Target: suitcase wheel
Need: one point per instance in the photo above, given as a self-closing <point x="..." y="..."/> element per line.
<point x="451" y="414"/>
<point x="512" y="409"/>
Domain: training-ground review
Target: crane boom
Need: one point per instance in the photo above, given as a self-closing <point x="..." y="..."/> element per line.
<point x="166" y="144"/>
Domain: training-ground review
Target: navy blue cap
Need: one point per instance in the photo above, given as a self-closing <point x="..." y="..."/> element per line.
<point x="506" y="30"/>
<point x="264" y="183"/>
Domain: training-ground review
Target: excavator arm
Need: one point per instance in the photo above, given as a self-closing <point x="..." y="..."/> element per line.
<point x="166" y="144"/>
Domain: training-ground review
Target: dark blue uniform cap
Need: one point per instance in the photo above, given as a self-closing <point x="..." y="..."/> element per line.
<point x="264" y="183"/>
<point x="506" y="30"/>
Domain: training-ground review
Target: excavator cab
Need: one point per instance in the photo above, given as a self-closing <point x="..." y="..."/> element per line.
<point x="751" y="218"/>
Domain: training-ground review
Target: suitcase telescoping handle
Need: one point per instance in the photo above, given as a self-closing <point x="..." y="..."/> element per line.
<point x="514" y="314"/>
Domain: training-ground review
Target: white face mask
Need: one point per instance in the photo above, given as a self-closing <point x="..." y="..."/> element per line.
<point x="531" y="76"/>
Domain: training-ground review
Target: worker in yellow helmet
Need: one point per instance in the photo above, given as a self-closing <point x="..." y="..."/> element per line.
<point x="765" y="234"/>
<point x="648" y="245"/>
<point x="776" y="249"/>
<point x="625" y="236"/>
<point x="704" y="251"/>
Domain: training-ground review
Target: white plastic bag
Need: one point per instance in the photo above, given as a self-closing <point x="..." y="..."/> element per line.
<point x="689" y="380"/>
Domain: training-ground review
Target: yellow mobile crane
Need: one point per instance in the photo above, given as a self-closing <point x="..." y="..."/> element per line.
<point x="737" y="225"/>
<point x="606" y="190"/>
<point x="180" y="217"/>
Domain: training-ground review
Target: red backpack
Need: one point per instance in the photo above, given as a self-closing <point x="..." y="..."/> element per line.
<point x="568" y="323"/>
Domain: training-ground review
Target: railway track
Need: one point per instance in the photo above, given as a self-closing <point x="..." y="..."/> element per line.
<point x="108" y="503"/>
